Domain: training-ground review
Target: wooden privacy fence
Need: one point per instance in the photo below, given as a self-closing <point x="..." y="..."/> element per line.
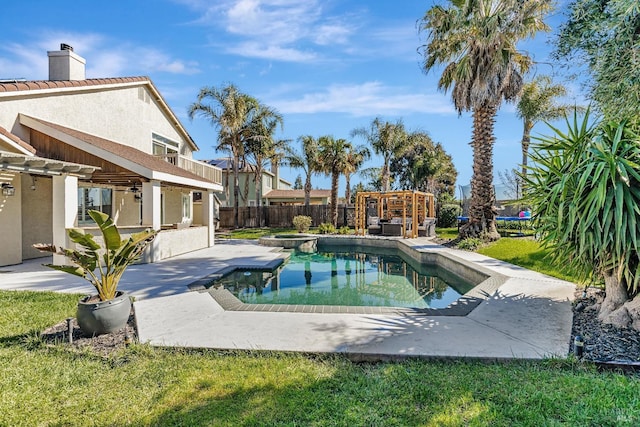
<point x="282" y="216"/>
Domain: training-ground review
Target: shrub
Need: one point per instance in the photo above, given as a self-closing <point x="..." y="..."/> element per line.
<point x="302" y="223"/>
<point x="326" y="228"/>
<point x="344" y="230"/>
<point x="448" y="215"/>
<point x="470" y="244"/>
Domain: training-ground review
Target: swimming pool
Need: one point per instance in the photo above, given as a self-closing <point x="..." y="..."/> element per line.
<point x="338" y="276"/>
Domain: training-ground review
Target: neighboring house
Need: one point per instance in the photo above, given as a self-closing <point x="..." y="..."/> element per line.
<point x="296" y="197"/>
<point x="70" y="144"/>
<point x="271" y="180"/>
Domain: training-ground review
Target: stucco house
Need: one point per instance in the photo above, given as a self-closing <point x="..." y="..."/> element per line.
<point x="296" y="197"/>
<point x="246" y="177"/>
<point x="276" y="191"/>
<point x="70" y="144"/>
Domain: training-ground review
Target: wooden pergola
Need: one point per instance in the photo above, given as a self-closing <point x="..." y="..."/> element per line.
<point x="411" y="206"/>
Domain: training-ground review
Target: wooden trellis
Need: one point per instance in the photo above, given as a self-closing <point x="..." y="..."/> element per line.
<point x="406" y="204"/>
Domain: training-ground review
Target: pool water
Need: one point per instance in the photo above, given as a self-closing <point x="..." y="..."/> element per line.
<point x="341" y="277"/>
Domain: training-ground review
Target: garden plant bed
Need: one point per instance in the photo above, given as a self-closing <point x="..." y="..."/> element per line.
<point x="603" y="343"/>
<point x="103" y="345"/>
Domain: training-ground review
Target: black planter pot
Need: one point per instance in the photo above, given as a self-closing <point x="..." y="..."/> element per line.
<point x="103" y="317"/>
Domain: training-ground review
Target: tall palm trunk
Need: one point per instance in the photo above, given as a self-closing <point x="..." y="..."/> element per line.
<point x="386" y="175"/>
<point x="258" y="184"/>
<point x="334" y="198"/>
<point x="307" y="193"/>
<point x="482" y="211"/>
<point x="236" y="190"/>
<point x="526" y="141"/>
<point x="347" y="191"/>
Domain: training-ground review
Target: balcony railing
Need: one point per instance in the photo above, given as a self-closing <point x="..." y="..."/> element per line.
<point x="203" y="170"/>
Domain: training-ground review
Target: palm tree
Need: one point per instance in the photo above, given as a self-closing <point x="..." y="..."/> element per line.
<point x="333" y="161"/>
<point x="261" y="147"/>
<point x="476" y="41"/>
<point x="538" y="101"/>
<point x="232" y="112"/>
<point x="307" y="160"/>
<point x="356" y="156"/>
<point x="385" y="138"/>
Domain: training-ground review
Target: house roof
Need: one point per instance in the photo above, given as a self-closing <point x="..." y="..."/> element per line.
<point x="33" y="87"/>
<point x="18" y="85"/>
<point x="296" y="194"/>
<point x="16" y="142"/>
<point x="130" y="158"/>
<point x="42" y="166"/>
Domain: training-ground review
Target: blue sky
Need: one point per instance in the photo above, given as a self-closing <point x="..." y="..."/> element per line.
<point x="327" y="66"/>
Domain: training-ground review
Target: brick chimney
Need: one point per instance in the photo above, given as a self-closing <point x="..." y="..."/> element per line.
<point x="66" y="65"/>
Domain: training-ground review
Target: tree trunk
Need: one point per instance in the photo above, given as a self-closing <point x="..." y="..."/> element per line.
<point x="236" y="191"/>
<point x="616" y="296"/>
<point x="307" y="192"/>
<point x="385" y="175"/>
<point x="347" y="191"/>
<point x="258" y="183"/>
<point x="482" y="211"/>
<point x="526" y="141"/>
<point x="334" y="198"/>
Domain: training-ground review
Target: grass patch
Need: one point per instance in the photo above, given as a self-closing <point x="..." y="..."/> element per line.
<point x="256" y="233"/>
<point x="447" y="233"/>
<point x="527" y="253"/>
<point x="53" y="385"/>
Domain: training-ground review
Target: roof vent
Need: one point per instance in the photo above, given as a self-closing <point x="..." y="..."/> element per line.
<point x="64" y="46"/>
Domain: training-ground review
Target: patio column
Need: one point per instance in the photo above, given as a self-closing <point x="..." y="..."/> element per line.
<point x="208" y="217"/>
<point x="65" y="212"/>
<point x="151" y="205"/>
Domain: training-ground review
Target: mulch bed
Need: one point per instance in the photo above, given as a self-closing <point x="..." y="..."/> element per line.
<point x="602" y="342"/>
<point x="104" y="344"/>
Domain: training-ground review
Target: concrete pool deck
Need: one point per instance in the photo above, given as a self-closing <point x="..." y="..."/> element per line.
<point x="527" y="316"/>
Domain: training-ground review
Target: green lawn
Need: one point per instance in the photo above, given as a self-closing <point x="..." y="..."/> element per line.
<point x="256" y="233"/>
<point x="524" y="252"/>
<point x="53" y="385"/>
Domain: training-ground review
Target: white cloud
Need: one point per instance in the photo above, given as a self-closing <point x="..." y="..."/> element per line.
<point x="105" y="57"/>
<point x="370" y="98"/>
<point x="276" y="53"/>
<point x="281" y="30"/>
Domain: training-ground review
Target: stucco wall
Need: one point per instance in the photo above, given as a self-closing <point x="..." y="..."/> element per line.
<point x="125" y="115"/>
<point x="11" y="223"/>
<point x="37" y="219"/>
<point x="173" y="205"/>
<point x="126" y="209"/>
<point x="170" y="243"/>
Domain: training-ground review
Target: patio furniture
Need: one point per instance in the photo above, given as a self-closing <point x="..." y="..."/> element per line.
<point x="374" y="225"/>
<point x="392" y="229"/>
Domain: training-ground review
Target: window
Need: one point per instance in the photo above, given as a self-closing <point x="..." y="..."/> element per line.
<point x="93" y="198"/>
<point x="186" y="207"/>
<point x="162" y="145"/>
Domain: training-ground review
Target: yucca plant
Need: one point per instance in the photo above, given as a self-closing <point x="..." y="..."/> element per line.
<point x="585" y="189"/>
<point x="102" y="265"/>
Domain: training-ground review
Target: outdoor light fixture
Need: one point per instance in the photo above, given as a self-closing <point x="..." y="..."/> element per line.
<point x="134" y="189"/>
<point x="8" y="189"/>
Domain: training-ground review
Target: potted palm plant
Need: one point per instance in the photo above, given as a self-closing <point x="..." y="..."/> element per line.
<point x="102" y="265"/>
